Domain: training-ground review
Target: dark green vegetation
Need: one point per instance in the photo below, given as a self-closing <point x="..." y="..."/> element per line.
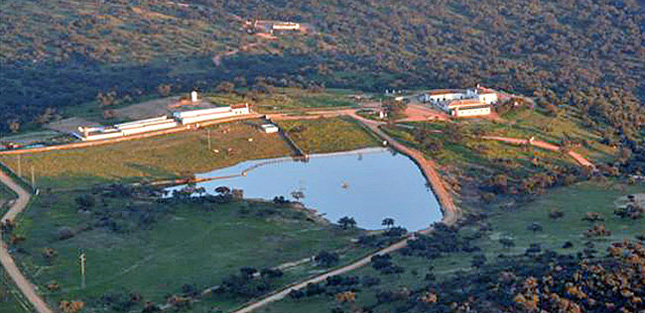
<point x="141" y="248"/>
<point x="328" y="135"/>
<point x="481" y="169"/>
<point x="585" y="54"/>
<point x="9" y="302"/>
<point x="478" y="264"/>
<point x="5" y="195"/>
<point x="163" y="157"/>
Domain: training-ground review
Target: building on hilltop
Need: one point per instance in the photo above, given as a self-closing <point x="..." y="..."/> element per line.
<point x="441" y="95"/>
<point x="270" y="27"/>
<point x="467" y="107"/>
<point x="462" y="103"/>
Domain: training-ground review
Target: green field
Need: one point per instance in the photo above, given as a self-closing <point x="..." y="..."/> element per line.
<point x="525" y="123"/>
<point x="169" y="156"/>
<point x="328" y="135"/>
<point x="5" y="195"/>
<point x="575" y="201"/>
<point x="8" y="300"/>
<point x="181" y="242"/>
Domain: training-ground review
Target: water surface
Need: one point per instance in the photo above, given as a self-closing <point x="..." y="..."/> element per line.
<point x="367" y="184"/>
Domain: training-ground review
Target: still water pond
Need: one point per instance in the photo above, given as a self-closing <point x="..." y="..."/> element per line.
<point x="367" y="184"/>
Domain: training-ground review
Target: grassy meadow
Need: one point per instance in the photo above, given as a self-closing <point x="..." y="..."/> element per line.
<point x="6" y="195"/>
<point x="181" y="243"/>
<point x="526" y="123"/>
<point x="8" y="300"/>
<point x="169" y="156"/>
<point x="511" y="222"/>
<point x="328" y="135"/>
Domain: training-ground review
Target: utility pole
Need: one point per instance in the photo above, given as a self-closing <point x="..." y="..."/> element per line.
<point x="19" y="166"/>
<point x="208" y="131"/>
<point x="83" y="259"/>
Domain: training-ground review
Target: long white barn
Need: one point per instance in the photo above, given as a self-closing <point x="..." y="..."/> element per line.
<point x="196" y="116"/>
<point x="161" y="123"/>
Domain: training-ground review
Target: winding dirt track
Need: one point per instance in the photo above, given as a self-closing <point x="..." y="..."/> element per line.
<point x="544" y="145"/>
<point x="27" y="289"/>
<point x="451" y="213"/>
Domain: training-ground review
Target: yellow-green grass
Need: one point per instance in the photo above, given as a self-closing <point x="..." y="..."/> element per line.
<point x="168" y="156"/>
<point x="480" y="157"/>
<point x="190" y="243"/>
<point x="575" y="201"/>
<point x="526" y="123"/>
<point x="328" y="135"/>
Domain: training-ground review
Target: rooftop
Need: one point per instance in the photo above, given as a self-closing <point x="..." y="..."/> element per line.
<point x="464" y="103"/>
<point x="438" y="92"/>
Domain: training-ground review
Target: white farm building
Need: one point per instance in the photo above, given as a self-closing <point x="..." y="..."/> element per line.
<point x="462" y="103"/>
<point x="468" y="107"/>
<point x="161" y="123"/>
<point x="127" y="129"/>
<point x="442" y="95"/>
<point x="197" y="116"/>
<point x="269" y="128"/>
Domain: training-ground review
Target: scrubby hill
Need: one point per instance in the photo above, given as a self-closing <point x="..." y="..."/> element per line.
<point x="56" y="53"/>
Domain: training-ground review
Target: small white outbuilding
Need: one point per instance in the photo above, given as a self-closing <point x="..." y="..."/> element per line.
<point x="270" y="128"/>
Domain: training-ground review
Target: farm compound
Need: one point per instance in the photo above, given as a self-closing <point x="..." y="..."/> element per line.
<point x="187" y="118"/>
<point x="462" y="103"/>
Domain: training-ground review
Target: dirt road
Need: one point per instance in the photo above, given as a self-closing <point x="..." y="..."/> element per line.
<point x="27" y="289"/>
<point x="285" y="292"/>
<point x="451" y="212"/>
<point x="544" y="145"/>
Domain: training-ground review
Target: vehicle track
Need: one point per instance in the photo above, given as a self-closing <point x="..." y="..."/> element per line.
<point x="27" y="289"/>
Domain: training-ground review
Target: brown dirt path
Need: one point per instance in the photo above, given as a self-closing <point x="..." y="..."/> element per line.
<point x="544" y="145"/>
<point x="27" y="289"/>
<point x="451" y="213"/>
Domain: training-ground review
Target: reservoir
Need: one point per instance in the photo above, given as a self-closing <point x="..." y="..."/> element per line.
<point x="368" y="185"/>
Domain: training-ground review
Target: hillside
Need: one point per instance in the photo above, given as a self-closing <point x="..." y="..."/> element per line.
<point x="59" y="53"/>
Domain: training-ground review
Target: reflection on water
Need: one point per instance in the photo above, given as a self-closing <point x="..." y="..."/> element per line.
<point x="368" y="185"/>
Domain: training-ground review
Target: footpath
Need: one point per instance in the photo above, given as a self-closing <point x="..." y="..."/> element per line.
<point x="27" y="289"/>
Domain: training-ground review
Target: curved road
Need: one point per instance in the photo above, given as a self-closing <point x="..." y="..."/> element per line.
<point x="27" y="289"/>
<point x="544" y="145"/>
<point x="451" y="214"/>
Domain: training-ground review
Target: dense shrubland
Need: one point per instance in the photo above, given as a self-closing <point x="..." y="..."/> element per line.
<point x="584" y="53"/>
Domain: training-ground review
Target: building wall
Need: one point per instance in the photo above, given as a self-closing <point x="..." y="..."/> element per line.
<point x="203" y="118"/>
<point x="488" y="98"/>
<point x="149" y="128"/>
<point x="101" y="136"/>
<point x="241" y="111"/>
<point x="444" y="97"/>
<point x="471" y="112"/>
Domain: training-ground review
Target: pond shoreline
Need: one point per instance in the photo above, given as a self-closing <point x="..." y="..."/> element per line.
<point x="368" y="184"/>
